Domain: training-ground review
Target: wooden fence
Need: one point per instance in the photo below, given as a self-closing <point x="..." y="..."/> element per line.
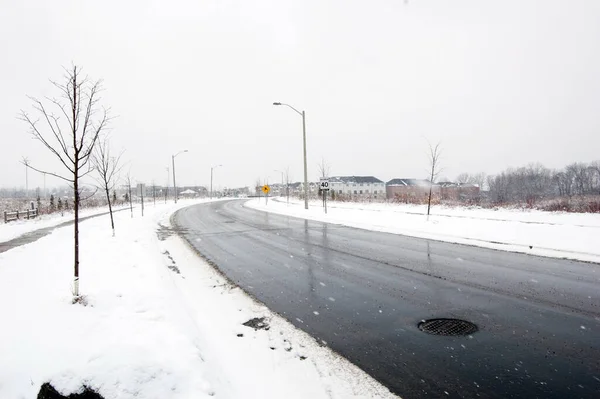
<point x="16" y="215"/>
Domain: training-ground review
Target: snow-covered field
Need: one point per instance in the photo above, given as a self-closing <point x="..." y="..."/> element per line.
<point x="159" y="323"/>
<point x="13" y="229"/>
<point x="554" y="234"/>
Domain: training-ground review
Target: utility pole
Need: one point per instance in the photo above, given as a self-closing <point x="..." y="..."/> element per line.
<point x="305" y="167"/>
<point x="303" y="115"/>
<point x="154" y="193"/>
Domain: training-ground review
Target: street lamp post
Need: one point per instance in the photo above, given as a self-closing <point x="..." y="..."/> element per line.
<point x="174" y="183"/>
<point x="211" y="178"/>
<point x="303" y="115"/>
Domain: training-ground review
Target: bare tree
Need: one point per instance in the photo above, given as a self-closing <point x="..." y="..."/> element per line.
<point x="324" y="169"/>
<point x="108" y="168"/>
<point x="154" y="192"/>
<point x="128" y="182"/>
<point x="479" y="179"/>
<point x="287" y="183"/>
<point x="168" y="184"/>
<point x="258" y="187"/>
<point x="142" y="188"/>
<point x="434" y="164"/>
<point x="595" y="176"/>
<point x="463" y="178"/>
<point x="70" y="132"/>
<point x="26" y="163"/>
<point x="467" y="178"/>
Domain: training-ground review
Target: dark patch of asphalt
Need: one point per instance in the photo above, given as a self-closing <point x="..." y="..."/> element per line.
<point x="363" y="294"/>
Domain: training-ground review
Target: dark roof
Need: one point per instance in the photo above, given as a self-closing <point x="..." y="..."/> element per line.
<point x="355" y="179"/>
<point x="408" y="182"/>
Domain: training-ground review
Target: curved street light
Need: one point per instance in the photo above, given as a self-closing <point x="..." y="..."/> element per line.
<point x="174" y="183"/>
<point x="303" y="115"/>
<point x="211" y="178"/>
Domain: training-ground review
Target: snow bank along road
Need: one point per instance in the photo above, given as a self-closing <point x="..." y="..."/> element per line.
<point x="363" y="293"/>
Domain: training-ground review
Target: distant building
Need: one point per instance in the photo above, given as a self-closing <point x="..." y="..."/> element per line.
<point x="357" y="186"/>
<point x="410" y="190"/>
<point x="237" y="192"/>
<point x="417" y="190"/>
<point x="189" y="193"/>
<point x="297" y="189"/>
<point x="459" y="191"/>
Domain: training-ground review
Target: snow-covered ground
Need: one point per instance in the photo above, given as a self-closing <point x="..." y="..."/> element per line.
<point x="561" y="235"/>
<point x="159" y="323"/>
<point x="13" y="229"/>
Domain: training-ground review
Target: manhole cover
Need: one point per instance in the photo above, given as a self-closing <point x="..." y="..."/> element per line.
<point x="447" y="327"/>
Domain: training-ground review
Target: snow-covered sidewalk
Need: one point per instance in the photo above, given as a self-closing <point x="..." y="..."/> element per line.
<point x="159" y="323"/>
<point x="561" y="235"/>
<point x="11" y="230"/>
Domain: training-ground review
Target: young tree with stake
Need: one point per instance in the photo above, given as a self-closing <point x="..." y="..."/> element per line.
<point x="108" y="168"/>
<point x="128" y="196"/>
<point x="287" y="184"/>
<point x="434" y="164"/>
<point x="69" y="127"/>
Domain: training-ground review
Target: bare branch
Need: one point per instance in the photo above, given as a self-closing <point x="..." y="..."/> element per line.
<point x="90" y="170"/>
<point x="39" y="106"/>
<point x="62" y="109"/>
<point x="27" y="164"/>
<point x="90" y="196"/>
<point x="37" y="135"/>
<point x="324" y="168"/>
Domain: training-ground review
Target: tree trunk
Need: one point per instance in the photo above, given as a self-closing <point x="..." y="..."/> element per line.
<point x="430" y="190"/>
<point x="75" y="107"/>
<point x="112" y="222"/>
<point x="76" y="223"/>
<point x="130" y="204"/>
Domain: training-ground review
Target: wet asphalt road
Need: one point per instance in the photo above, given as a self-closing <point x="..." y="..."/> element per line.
<point x="364" y="292"/>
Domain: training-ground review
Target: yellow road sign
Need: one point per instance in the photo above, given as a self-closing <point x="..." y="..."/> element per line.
<point x="266" y="189"/>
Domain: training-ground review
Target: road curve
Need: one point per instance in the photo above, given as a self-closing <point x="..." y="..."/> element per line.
<point x="363" y="293"/>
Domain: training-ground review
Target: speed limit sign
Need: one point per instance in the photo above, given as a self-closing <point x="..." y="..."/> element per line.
<point x="324" y="185"/>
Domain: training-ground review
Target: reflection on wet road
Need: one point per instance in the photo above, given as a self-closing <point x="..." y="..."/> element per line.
<point x="363" y="293"/>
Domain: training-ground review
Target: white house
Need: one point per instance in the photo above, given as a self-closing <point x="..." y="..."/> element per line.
<point x="366" y="186"/>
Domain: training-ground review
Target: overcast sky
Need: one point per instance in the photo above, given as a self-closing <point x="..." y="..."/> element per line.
<point x="499" y="83"/>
